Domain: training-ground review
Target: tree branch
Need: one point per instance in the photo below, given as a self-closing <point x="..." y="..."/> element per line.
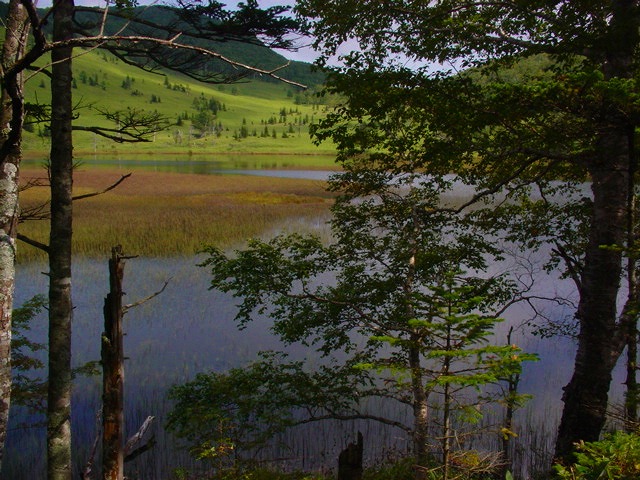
<point x="117" y="43"/>
<point x="110" y="187"/>
<point x="116" y="136"/>
<point x="40" y="212"/>
<point x="357" y="416"/>
<point x="126" y="308"/>
<point x="142" y="46"/>
<point x="571" y="263"/>
<point x="33" y="243"/>
<point x="130" y="452"/>
<point x="87" y="473"/>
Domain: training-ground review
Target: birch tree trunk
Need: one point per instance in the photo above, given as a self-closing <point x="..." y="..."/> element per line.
<point x="11" y="118"/>
<point x="60" y="305"/>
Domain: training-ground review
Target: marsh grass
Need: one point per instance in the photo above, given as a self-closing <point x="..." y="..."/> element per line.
<point x="166" y="214"/>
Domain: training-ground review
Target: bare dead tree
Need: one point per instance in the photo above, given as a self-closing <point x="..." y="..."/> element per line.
<point x="112" y="354"/>
<point x="114" y="451"/>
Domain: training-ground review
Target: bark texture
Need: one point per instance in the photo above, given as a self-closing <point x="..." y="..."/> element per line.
<point x="586" y="396"/>
<point x="113" y="374"/>
<point x="60" y="305"/>
<point x="420" y="405"/>
<point x="11" y="118"/>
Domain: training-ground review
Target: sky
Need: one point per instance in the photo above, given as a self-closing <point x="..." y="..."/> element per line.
<point x="303" y="54"/>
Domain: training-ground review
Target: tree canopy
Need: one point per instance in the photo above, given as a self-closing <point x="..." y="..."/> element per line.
<point x="434" y="67"/>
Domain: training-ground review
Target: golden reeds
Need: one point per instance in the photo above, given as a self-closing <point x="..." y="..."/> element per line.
<point x="168" y="214"/>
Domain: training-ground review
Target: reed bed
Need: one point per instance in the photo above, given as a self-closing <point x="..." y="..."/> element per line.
<point x="168" y="214"/>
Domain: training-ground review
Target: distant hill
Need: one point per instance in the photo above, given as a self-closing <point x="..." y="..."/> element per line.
<point x="247" y="53"/>
<point x="255" y="115"/>
<point x="251" y="116"/>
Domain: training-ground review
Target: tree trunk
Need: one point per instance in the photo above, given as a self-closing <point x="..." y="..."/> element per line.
<point x="631" y="399"/>
<point x="420" y="406"/>
<point x="513" y="381"/>
<point x="113" y="374"/>
<point x="11" y="117"/>
<point x="446" y="432"/>
<point x="60" y="306"/>
<point x="629" y="314"/>
<point x="600" y="341"/>
<point x="418" y="392"/>
<point x="447" y="402"/>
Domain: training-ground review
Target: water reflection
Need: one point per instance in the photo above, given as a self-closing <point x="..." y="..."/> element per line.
<point x="207" y="164"/>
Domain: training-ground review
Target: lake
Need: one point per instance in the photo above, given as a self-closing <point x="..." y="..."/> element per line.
<point x="201" y="164"/>
<point x="188" y="329"/>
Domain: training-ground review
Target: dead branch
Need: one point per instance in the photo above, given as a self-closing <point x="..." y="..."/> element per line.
<point x="33" y="182"/>
<point x="116" y="136"/>
<point x="42" y="212"/>
<point x="140" y="47"/>
<point x="33" y="243"/>
<point x="115" y="43"/>
<point x="110" y="187"/>
<point x="130" y="450"/>
<point x="39" y="212"/>
<point x="186" y="13"/>
<point x="126" y="308"/>
<point x="88" y="469"/>
<point x="133" y="125"/>
<point x="137" y="437"/>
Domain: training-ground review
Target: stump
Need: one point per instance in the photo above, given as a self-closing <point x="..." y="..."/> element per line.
<point x="350" y="461"/>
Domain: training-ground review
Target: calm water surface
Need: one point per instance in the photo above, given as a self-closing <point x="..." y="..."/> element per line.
<point x="189" y="329"/>
<point x="252" y="164"/>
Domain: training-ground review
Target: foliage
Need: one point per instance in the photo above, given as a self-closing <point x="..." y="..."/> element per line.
<point x="391" y="470"/>
<point x="525" y="146"/>
<point x="229" y="409"/>
<point x="27" y="389"/>
<point x="405" y="469"/>
<point x="251" y="473"/>
<point x="616" y="456"/>
<point x="388" y="306"/>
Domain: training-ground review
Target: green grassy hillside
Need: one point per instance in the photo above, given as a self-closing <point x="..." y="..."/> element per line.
<point x="250" y="117"/>
<point x="249" y="52"/>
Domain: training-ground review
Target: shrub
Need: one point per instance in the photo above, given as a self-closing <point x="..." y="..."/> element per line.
<point x="399" y="470"/>
<point x="617" y="456"/>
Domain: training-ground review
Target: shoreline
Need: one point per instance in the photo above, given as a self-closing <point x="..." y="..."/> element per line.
<point x="86" y="153"/>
